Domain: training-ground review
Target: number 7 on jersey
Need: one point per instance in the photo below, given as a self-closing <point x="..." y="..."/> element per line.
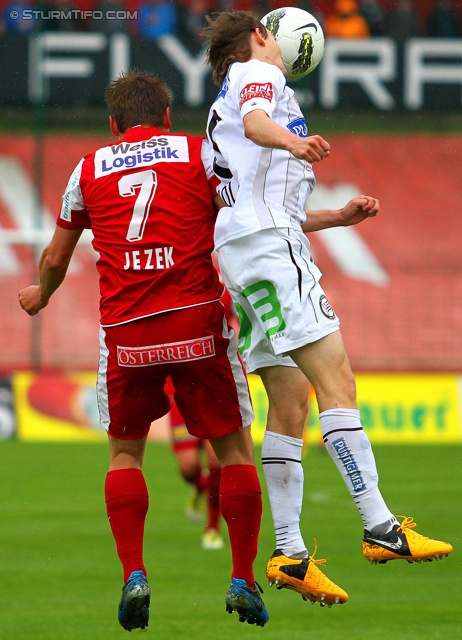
<point x="146" y="182"/>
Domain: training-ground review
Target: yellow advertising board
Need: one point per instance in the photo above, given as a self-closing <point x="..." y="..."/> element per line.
<point x="395" y="408"/>
<point x="57" y="407"/>
<point x="411" y="408"/>
<point x="63" y="406"/>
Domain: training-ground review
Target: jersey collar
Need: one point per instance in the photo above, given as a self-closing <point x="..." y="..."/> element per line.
<point x="141" y="133"/>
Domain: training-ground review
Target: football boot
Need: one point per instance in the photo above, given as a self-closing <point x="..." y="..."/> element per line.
<point x="403" y="543"/>
<point x="246" y="602"/>
<point x="304" y="577"/>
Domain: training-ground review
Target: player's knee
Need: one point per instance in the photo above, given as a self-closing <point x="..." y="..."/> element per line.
<point x="235" y="448"/>
<point x="189" y="472"/>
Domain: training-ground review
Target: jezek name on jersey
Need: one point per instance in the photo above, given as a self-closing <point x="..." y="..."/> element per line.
<point x="158" y="258"/>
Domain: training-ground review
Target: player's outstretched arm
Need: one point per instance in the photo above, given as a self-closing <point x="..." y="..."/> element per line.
<point x="53" y="266"/>
<point x="355" y="211"/>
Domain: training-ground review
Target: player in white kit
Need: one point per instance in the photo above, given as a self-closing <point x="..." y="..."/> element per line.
<point x="289" y="331"/>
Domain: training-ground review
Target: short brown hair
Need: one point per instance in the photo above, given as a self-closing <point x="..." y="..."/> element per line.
<point x="227" y="35"/>
<point x="138" y="97"/>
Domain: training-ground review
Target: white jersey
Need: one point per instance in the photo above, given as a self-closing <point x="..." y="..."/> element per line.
<point x="263" y="188"/>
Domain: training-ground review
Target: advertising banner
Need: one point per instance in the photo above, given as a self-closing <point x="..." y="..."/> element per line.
<point x="63" y="407"/>
<point x="57" y="69"/>
<point x="410" y="408"/>
<point x="395" y="409"/>
<point x="57" y="407"/>
<point x="7" y="414"/>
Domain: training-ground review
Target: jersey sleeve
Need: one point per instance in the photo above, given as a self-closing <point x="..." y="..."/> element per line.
<point x="207" y="161"/>
<point x="262" y="94"/>
<point x="73" y="214"/>
<point x="227" y="190"/>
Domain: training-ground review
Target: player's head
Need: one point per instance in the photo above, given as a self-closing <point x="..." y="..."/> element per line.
<point x="138" y="98"/>
<point x="228" y="36"/>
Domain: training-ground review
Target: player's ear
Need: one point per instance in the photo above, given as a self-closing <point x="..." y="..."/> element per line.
<point x="259" y="37"/>
<point x="167" y="119"/>
<point x="113" y="127"/>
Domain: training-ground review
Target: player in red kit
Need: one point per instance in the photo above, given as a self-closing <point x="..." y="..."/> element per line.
<point x="148" y="200"/>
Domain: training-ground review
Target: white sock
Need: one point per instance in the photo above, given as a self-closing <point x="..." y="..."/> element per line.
<point x="282" y="465"/>
<point x="350" y="449"/>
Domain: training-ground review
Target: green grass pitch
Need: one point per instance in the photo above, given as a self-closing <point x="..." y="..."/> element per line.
<point x="61" y="578"/>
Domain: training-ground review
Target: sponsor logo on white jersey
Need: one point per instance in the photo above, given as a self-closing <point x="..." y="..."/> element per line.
<point x="224" y="88"/>
<point x="140" y="154"/>
<point x="256" y="90"/>
<point x="299" y="127"/>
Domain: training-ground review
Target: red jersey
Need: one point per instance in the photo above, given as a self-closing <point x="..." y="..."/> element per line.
<point x="148" y="201"/>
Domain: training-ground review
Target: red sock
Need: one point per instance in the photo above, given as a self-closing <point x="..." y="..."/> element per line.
<point x="213" y="498"/>
<point x="241" y="508"/>
<point x="127" y="503"/>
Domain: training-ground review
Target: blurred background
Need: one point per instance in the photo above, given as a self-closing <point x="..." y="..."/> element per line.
<point x="388" y="98"/>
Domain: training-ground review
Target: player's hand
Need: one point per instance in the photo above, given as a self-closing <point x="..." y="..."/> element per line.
<point x="358" y="209"/>
<point x="30" y="300"/>
<point x="311" y="149"/>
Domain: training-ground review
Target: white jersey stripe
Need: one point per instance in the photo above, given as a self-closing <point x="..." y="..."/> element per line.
<point x="101" y="386"/>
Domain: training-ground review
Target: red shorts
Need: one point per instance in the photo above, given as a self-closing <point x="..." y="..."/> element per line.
<point x="197" y="350"/>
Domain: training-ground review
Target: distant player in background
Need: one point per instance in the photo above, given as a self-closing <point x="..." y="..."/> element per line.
<point x="289" y="331"/>
<point x="199" y="467"/>
<point x="150" y="200"/>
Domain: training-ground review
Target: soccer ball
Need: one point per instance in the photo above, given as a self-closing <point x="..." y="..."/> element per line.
<point x="300" y="37"/>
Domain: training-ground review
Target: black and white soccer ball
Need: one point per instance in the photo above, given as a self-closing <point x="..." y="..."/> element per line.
<point x="300" y="37"/>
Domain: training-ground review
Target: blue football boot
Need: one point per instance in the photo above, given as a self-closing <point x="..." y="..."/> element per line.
<point x="246" y="602"/>
<point x="134" y="603"/>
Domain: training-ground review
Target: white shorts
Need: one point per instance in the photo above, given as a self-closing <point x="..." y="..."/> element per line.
<point x="275" y="286"/>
